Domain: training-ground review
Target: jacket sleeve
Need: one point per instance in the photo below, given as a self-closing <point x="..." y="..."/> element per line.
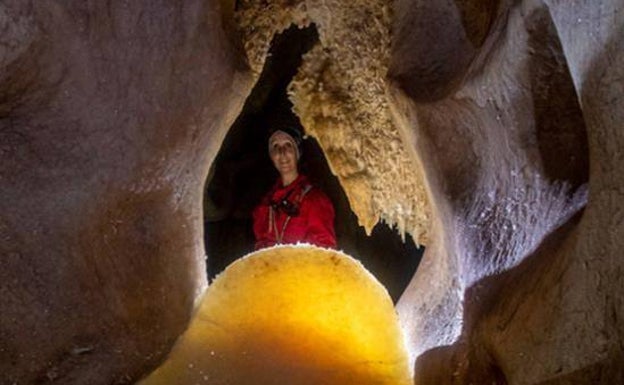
<point x="320" y="217"/>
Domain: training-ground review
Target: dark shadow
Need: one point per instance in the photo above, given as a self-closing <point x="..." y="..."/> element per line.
<point x="559" y="123"/>
<point x="242" y="173"/>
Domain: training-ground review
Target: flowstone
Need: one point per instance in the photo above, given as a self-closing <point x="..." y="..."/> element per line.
<point x="340" y="95"/>
<point x="291" y="315"/>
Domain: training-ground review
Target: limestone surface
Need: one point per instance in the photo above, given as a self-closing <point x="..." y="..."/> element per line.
<point x="489" y="130"/>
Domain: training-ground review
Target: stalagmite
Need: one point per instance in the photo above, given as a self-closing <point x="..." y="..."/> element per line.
<point x="290" y="315"/>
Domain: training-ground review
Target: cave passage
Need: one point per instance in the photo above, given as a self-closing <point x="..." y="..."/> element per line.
<point x="242" y="172"/>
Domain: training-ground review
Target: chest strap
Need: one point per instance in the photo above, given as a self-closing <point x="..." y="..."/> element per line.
<point x="279" y="236"/>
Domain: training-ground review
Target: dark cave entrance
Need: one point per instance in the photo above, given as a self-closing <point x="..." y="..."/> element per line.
<point x="242" y="173"/>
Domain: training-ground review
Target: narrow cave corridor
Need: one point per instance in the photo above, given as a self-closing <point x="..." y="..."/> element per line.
<point x="242" y="172"/>
<point x="490" y="131"/>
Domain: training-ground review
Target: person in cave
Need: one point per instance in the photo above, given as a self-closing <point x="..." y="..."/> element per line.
<point x="293" y="210"/>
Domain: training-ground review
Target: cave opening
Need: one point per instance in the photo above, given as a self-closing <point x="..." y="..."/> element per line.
<point x="242" y="173"/>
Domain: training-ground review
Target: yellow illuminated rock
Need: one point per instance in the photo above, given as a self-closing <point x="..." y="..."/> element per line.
<point x="290" y="315"/>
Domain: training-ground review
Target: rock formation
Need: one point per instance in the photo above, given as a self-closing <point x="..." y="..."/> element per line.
<point x="489" y="130"/>
<point x="291" y="314"/>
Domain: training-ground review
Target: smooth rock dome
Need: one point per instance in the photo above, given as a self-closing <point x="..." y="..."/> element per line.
<point x="291" y="315"/>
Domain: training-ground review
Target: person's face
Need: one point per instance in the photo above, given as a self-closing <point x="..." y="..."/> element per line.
<point x="283" y="153"/>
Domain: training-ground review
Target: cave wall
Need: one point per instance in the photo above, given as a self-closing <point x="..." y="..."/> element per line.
<point x="111" y="113"/>
<point x="535" y="294"/>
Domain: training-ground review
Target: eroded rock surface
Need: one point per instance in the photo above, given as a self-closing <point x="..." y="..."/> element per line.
<point x="485" y="128"/>
<point x="528" y="291"/>
<point x="110" y="113"/>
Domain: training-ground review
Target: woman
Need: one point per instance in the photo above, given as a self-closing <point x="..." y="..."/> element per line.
<point x="293" y="210"/>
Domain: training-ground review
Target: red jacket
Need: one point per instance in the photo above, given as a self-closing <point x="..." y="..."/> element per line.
<point x="311" y="218"/>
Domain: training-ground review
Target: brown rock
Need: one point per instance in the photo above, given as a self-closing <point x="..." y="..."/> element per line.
<point x="491" y="131"/>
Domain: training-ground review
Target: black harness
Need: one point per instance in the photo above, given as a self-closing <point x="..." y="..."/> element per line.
<point x="291" y="209"/>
